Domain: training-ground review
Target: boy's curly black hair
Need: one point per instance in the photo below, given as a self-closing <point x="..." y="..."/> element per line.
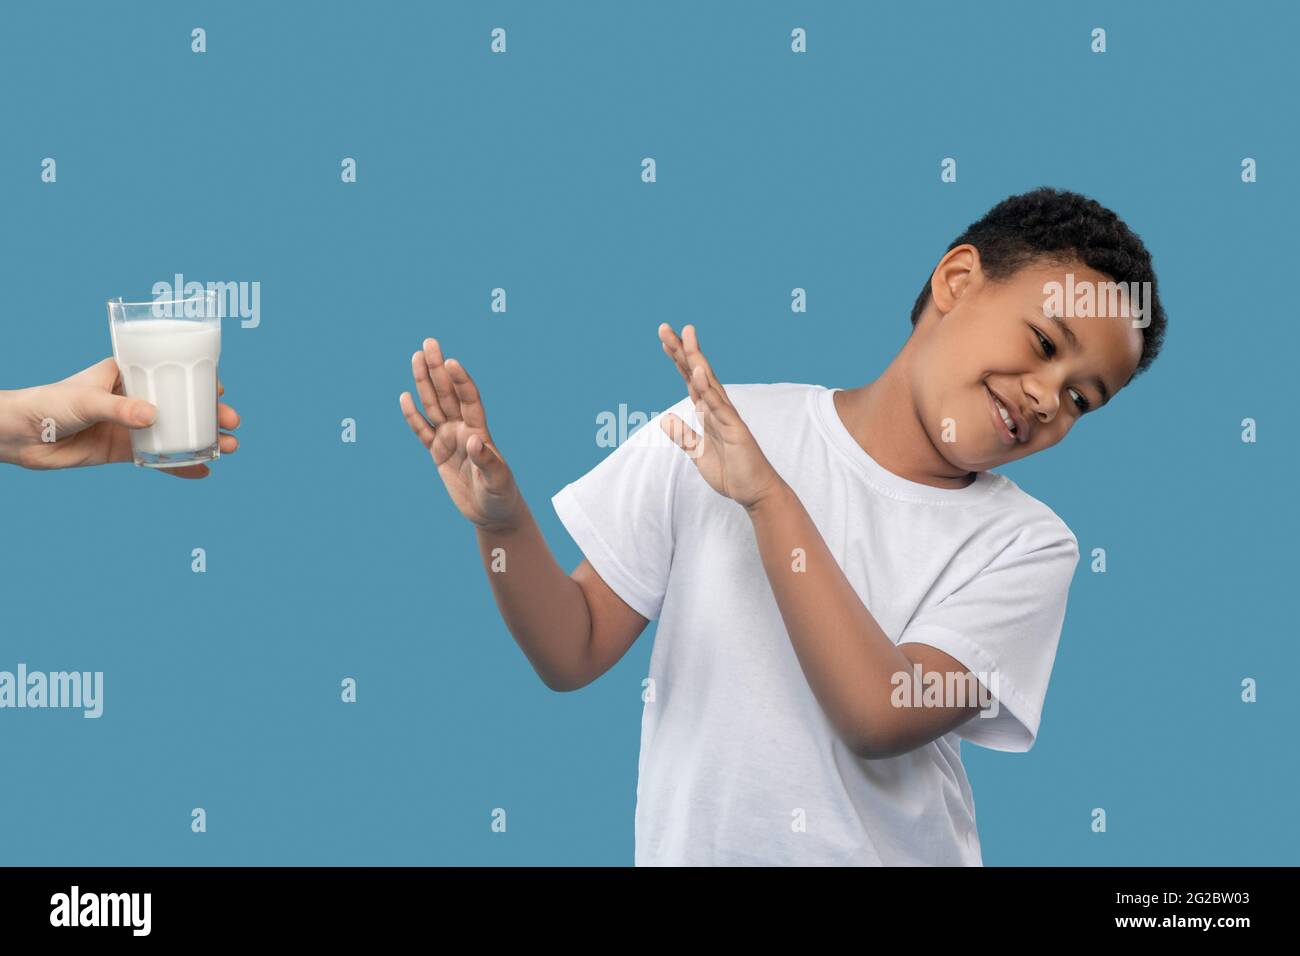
<point x="1062" y="226"/>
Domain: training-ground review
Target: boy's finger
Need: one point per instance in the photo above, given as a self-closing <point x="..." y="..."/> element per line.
<point x="720" y="401"/>
<point x="691" y="344"/>
<point x="471" y="405"/>
<point x="424" y="388"/>
<point x="672" y="344"/>
<point x="673" y="348"/>
<point x="695" y="355"/>
<point x="417" y="421"/>
<point x="442" y="386"/>
<point x="488" y="460"/>
<point x="682" y="370"/>
<point x="711" y="399"/>
<point x="681" y="434"/>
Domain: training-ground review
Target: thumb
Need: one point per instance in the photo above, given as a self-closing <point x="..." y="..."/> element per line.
<point x="488" y="460"/>
<point x="682" y="435"/>
<point x="92" y="405"/>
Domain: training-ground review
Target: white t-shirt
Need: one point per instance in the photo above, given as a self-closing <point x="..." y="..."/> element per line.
<point x="739" y="764"/>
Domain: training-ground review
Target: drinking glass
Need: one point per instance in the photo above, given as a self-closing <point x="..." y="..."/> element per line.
<point x="167" y="351"/>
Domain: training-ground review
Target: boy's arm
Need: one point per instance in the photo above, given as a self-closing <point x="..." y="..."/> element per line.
<point x="572" y="628"/>
<point x="848" y="660"/>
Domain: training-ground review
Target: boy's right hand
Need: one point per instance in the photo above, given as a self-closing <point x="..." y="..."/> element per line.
<point x="456" y="435"/>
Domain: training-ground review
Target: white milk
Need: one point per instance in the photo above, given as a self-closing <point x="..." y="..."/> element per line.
<point x="173" y="364"/>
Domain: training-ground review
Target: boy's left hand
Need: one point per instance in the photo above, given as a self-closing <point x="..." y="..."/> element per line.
<point x="727" y="455"/>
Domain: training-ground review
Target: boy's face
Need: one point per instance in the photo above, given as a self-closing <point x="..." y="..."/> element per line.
<point x="989" y="343"/>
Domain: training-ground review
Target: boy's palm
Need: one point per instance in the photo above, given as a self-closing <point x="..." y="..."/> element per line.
<point x="456" y="434"/>
<point x="482" y="496"/>
<point x="727" y="455"/>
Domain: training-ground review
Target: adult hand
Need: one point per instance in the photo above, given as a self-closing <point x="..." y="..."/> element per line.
<point x="92" y="421"/>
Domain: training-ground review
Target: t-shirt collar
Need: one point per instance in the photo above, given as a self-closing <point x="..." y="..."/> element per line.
<point x="881" y="477"/>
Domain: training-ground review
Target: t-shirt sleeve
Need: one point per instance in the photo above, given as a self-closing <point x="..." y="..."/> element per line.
<point x="620" y="513"/>
<point x="1004" y="625"/>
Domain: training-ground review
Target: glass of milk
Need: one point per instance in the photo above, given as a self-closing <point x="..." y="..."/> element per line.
<point x="167" y="351"/>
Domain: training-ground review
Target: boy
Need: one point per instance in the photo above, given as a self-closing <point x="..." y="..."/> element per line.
<point x="829" y="567"/>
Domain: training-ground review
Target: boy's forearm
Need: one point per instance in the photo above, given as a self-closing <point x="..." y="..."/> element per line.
<point x="846" y="657"/>
<point x="542" y="606"/>
<point x="14" y="424"/>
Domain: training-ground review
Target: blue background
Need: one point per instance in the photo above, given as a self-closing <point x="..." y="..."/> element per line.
<point x="522" y="170"/>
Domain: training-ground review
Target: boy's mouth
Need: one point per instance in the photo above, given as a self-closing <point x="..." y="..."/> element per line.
<point x="1010" y="429"/>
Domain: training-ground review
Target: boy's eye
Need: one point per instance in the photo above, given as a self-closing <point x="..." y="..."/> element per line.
<point x="1049" y="349"/>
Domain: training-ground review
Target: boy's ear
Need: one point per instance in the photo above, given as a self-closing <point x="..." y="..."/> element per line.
<point x="957" y="271"/>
